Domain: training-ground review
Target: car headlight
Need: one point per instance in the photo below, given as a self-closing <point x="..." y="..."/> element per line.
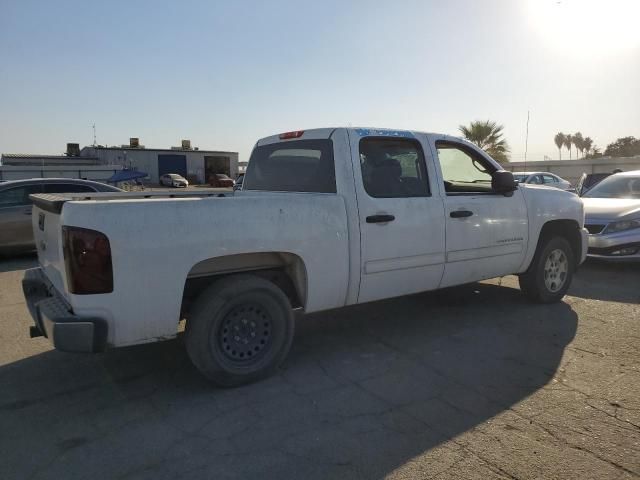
<point x="621" y="226"/>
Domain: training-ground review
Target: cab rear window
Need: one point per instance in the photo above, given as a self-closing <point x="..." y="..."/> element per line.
<point x="295" y="166"/>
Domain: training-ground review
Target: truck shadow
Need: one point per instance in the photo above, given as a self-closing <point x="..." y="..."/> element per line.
<point x="365" y="390"/>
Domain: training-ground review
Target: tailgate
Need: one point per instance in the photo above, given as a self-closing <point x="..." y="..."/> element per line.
<point x="47" y="233"/>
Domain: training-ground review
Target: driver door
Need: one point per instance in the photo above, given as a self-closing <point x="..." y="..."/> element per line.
<point x="486" y="232"/>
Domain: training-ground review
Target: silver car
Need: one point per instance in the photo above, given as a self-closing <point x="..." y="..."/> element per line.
<point x="173" y="180"/>
<point x="16" y="233"/>
<point x="612" y="217"/>
<point x="543" y="178"/>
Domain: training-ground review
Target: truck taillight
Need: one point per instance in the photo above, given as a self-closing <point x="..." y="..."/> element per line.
<point x="87" y="259"/>
<point x="288" y="135"/>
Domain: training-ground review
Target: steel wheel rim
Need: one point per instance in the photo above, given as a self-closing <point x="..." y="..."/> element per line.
<point x="245" y="334"/>
<point x="556" y="268"/>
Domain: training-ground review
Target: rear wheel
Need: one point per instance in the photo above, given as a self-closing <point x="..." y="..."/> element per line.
<point x="240" y="330"/>
<point x="550" y="273"/>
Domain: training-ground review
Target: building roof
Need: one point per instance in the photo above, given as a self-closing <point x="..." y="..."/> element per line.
<point x="146" y="149"/>
<point x="31" y="156"/>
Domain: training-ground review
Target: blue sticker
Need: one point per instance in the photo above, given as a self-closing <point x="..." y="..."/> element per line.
<point x="365" y="132"/>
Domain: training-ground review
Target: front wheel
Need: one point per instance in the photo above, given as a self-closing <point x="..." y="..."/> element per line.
<point x="550" y="273"/>
<point x="240" y="330"/>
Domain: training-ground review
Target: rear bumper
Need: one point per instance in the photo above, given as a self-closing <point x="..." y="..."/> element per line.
<point x="55" y="320"/>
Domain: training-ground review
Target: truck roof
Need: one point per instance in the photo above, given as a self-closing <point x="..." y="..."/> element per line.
<point x="321" y="133"/>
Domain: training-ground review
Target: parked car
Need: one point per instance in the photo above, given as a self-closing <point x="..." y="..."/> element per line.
<point x="16" y="232"/>
<point x="330" y="217"/>
<point x="220" y="180"/>
<point x="543" y="178"/>
<point x="589" y="180"/>
<point x="173" y="180"/>
<point x="612" y="217"/>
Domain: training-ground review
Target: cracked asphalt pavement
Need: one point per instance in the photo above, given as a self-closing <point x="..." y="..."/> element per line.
<point x="471" y="382"/>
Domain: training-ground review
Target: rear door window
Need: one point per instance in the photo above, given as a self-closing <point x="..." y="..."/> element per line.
<point x="393" y="168"/>
<point x="295" y="166"/>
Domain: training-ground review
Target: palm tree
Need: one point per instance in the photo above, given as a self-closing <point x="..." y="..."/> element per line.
<point x="488" y="136"/>
<point x="568" y="140"/>
<point x="587" y="143"/>
<point x="559" y="141"/>
<point x="578" y="141"/>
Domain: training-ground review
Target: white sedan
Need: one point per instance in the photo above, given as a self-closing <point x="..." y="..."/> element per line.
<point x="542" y="178"/>
<point x="173" y="180"/>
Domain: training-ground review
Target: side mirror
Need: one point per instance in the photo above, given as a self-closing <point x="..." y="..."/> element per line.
<point x="503" y="182"/>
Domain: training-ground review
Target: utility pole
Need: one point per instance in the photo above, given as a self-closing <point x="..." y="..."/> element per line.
<point x="94" y="135"/>
<point x="526" y="142"/>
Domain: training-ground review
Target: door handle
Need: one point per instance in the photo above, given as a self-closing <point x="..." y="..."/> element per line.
<point x="380" y="218"/>
<point x="460" y="214"/>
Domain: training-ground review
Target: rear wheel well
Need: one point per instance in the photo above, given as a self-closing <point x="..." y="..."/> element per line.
<point x="568" y="229"/>
<point x="284" y="270"/>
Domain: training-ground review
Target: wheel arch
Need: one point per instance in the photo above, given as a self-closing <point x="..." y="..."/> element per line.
<point x="284" y="269"/>
<point x="565" y="228"/>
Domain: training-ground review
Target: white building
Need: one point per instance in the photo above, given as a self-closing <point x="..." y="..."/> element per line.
<point x="194" y="164"/>
<point x="18" y="166"/>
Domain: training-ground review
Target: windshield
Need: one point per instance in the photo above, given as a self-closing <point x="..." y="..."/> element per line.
<point x="616" y="187"/>
<point x="175" y="176"/>
<point x="520" y="177"/>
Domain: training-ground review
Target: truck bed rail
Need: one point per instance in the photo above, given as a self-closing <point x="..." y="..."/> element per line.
<point x="53" y="202"/>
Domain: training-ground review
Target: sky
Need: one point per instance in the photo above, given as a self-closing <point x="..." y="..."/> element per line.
<point x="225" y="73"/>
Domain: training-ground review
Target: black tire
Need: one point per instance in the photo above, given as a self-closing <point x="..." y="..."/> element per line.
<point x="240" y="330"/>
<point x="550" y="273"/>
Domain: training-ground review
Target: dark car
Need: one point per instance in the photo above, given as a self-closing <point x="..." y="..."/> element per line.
<point x="16" y="233"/>
<point x="220" y="180"/>
<point x="589" y="180"/>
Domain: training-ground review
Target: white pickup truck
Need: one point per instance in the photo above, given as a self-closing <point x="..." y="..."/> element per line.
<point x="325" y="218"/>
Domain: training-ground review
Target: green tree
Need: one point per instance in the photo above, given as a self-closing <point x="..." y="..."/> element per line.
<point x="595" y="152"/>
<point x="559" y="141"/>
<point x="568" y="141"/>
<point x="623" y="147"/>
<point x="587" y="143"/>
<point x="578" y="142"/>
<point x="487" y="135"/>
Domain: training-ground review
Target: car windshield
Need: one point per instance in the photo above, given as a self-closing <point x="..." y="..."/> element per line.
<point x="175" y="176"/>
<point x="622" y="186"/>
<point x="520" y="177"/>
<point x="222" y="176"/>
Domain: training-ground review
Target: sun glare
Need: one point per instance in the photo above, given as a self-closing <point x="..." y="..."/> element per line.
<point x="588" y="26"/>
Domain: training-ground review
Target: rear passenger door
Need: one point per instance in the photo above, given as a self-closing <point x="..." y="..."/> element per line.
<point x="401" y="222"/>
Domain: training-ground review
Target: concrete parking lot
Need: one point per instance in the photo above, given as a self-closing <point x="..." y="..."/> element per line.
<point x="472" y="382"/>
